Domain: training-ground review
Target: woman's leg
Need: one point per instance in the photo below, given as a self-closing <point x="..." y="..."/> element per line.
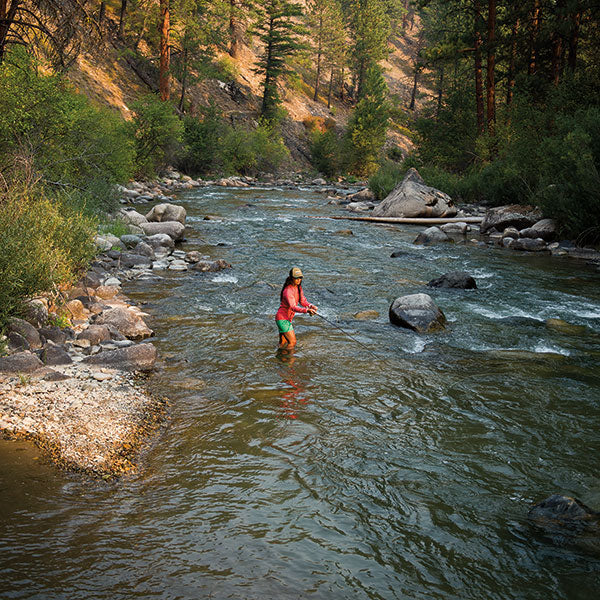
<point x="282" y="341"/>
<point x="290" y="338"/>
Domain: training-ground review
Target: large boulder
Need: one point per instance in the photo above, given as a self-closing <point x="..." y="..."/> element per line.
<point x="513" y="215"/>
<point x="132" y="217"/>
<point x="528" y="245"/>
<point x="160" y="241"/>
<point x="167" y="212"/>
<point x="22" y="362"/>
<point x="27" y="331"/>
<point x="35" y="311"/>
<point x="413" y="198"/>
<point x="558" y="511"/>
<point x="55" y="355"/>
<point x="173" y="229"/>
<point x="417" y="312"/>
<point x="96" y="334"/>
<point x="140" y="357"/>
<point x="125" y="321"/>
<point x="455" y="279"/>
<point x="544" y="229"/>
<point x="431" y="235"/>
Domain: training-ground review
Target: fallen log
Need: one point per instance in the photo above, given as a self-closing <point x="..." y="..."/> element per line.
<point x="413" y="220"/>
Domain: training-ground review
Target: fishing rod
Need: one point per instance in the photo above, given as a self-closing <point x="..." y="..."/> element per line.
<point x="351" y="337"/>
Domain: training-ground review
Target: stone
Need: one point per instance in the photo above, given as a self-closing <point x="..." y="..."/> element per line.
<point x="167" y="212"/>
<point x="75" y="310"/>
<point x="174" y="229"/>
<point x="102" y="243"/>
<point x="130" y="240"/>
<point x="359" y="206"/>
<point x="431" y="235"/>
<point x="559" y="509"/>
<point x="21" y="362"/>
<point x="130" y="260"/>
<point x="343" y="232"/>
<point x="511" y="232"/>
<point x="160" y="241"/>
<point x="140" y="357"/>
<point x="413" y="198"/>
<point x="95" y="334"/>
<point x="132" y="217"/>
<point x="26" y="330"/>
<point x="55" y="334"/>
<point x="513" y="215"/>
<point x="365" y="315"/>
<point x="144" y="249"/>
<point x="35" y="311"/>
<point x="178" y="265"/>
<point x="206" y="265"/>
<point x="529" y="245"/>
<point x="106" y="292"/>
<point x="545" y="229"/>
<point x="55" y="355"/>
<point x="91" y="279"/>
<point x="16" y="342"/>
<point x="112" y="281"/>
<point x="364" y="195"/>
<point x="459" y="228"/>
<point x="417" y="312"/>
<point x="127" y="322"/>
<point x="564" y="327"/>
<point x="193" y="256"/>
<point x="456" y="280"/>
<point x="82" y="343"/>
<point x="319" y="181"/>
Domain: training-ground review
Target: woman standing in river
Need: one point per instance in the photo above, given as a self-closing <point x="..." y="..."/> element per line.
<point x="292" y="301"/>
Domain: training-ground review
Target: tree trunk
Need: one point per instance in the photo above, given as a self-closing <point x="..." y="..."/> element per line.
<point x="533" y="40"/>
<point x="478" y="70"/>
<point x="413" y="96"/>
<point x="330" y="88"/>
<point x="557" y="42"/>
<point x="100" y="16"/>
<point x="342" y="77"/>
<point x="405" y="15"/>
<point x="122" y="18"/>
<point x="7" y="16"/>
<point x="236" y="29"/>
<point x="510" y="78"/>
<point x="491" y="65"/>
<point x="165" y="58"/>
<point x="319" y="52"/>
<point x="440" y="93"/>
<point x="574" y="41"/>
<point x="183" y="79"/>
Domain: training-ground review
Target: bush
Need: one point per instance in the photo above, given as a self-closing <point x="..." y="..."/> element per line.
<point x="157" y="133"/>
<point x="45" y="242"/>
<point x="387" y="177"/>
<point x="326" y="153"/>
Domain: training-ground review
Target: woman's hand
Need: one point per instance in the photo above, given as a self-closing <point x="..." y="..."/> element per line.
<point x="312" y="310"/>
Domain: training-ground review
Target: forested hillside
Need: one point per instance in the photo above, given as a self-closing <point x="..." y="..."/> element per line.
<point x="493" y="102"/>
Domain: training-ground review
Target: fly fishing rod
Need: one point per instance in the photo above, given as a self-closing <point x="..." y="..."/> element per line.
<point x="351" y="337"/>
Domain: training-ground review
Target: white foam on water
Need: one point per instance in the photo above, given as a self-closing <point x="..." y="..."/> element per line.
<point x="224" y="279"/>
<point x="417" y="347"/>
<point x="545" y="348"/>
<point x="204" y="308"/>
<point x="503" y="313"/>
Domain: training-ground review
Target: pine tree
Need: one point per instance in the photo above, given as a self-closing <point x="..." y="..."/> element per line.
<point x="368" y="124"/>
<point x="278" y="30"/>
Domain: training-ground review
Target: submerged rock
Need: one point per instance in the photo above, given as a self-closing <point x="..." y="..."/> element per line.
<point x="455" y="279"/>
<point x="414" y="198"/>
<point x="431" y="235"/>
<point x="417" y="312"/>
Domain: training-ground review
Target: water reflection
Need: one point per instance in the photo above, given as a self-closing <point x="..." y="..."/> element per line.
<point x="293" y="398"/>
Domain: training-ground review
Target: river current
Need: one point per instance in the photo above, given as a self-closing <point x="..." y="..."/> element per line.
<point x="385" y="465"/>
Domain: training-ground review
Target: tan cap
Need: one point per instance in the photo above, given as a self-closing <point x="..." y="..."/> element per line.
<point x="296" y="273"/>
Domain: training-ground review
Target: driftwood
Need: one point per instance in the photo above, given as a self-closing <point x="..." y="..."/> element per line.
<point x="413" y="220"/>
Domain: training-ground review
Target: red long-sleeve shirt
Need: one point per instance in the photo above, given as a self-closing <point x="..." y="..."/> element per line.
<point x="293" y="301"/>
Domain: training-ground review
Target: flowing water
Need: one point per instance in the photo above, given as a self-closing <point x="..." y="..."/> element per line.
<point x="391" y="465"/>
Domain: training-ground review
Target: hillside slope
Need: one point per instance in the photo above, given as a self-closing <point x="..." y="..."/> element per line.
<point x="110" y="75"/>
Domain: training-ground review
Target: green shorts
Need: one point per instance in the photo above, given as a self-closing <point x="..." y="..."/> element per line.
<point x="284" y="325"/>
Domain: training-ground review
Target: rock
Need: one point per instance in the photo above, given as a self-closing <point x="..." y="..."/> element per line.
<point x="365" y="315"/>
<point x="96" y="334"/>
<point x="564" y="327"/>
<point x="207" y="265"/>
<point x="455" y="228"/>
<point x="455" y="279"/>
<point x="193" y="256"/>
<point x="174" y="229"/>
<point x="82" y="343"/>
<point x="112" y="281"/>
<point x="127" y="322"/>
<point x="91" y="279"/>
<point x="513" y="215"/>
<point x="132" y="217"/>
<point x="413" y="198"/>
<point x="106" y="292"/>
<point x="160" y="241"/>
<point x="559" y="509"/>
<point x="417" y="312"/>
<point x="511" y="232"/>
<point x="431" y="235"/>
<point x="140" y="357"/>
<point x="55" y="334"/>
<point x="131" y="241"/>
<point x="55" y="355"/>
<point x="102" y="243"/>
<point x="529" y="245"/>
<point x="545" y="229"/>
<point x="130" y="260"/>
<point x="144" y="249"/>
<point x="22" y="362"/>
<point x="364" y="195"/>
<point x="319" y="181"/>
<point x="16" y="342"/>
<point x="359" y="206"/>
<point x="399" y="253"/>
<point x="26" y="330"/>
<point x="35" y="311"/>
<point x="167" y="212"/>
<point x="178" y="265"/>
<point x="344" y="232"/>
<point x="75" y="310"/>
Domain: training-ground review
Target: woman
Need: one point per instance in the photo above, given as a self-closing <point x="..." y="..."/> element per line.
<point x="292" y="301"/>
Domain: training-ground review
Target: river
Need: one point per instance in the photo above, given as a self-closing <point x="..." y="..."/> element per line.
<point x="386" y="465"/>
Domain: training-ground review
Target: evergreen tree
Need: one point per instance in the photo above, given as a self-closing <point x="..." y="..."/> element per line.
<point x="368" y="125"/>
<point x="278" y="30"/>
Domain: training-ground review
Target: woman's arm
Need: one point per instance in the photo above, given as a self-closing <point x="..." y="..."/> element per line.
<point x="290" y="298"/>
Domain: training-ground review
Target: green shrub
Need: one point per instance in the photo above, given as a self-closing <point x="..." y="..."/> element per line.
<point x="157" y="132"/>
<point x="386" y="178"/>
<point x="326" y="152"/>
<point x="45" y="242"/>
